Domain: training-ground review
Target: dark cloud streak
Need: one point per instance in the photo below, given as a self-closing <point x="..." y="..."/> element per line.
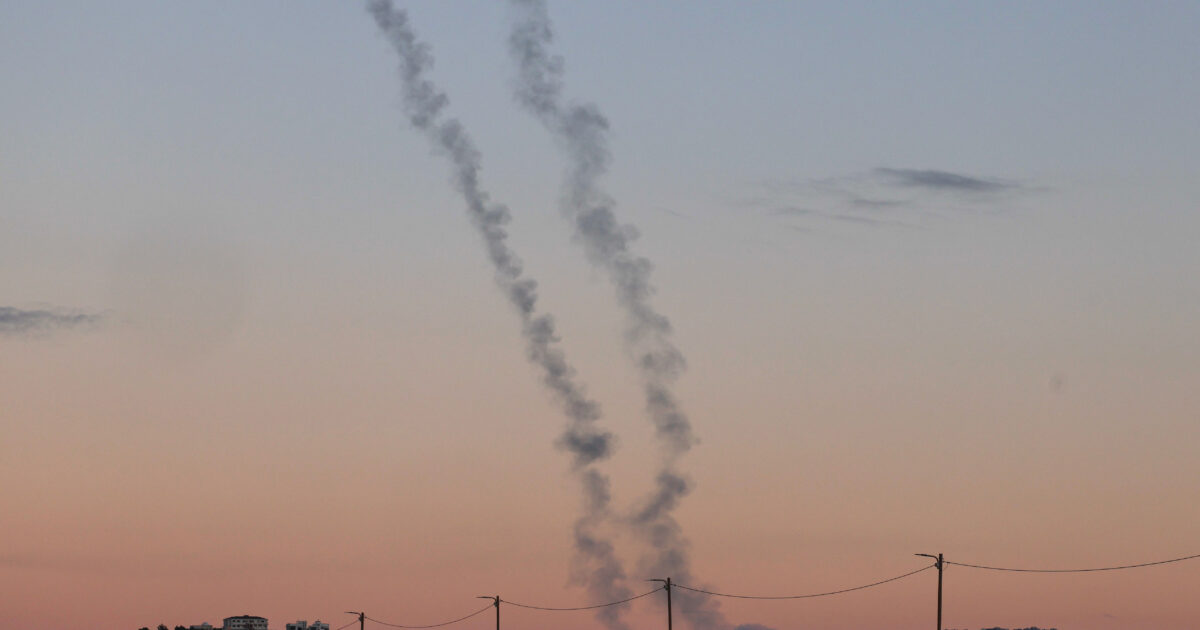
<point x="875" y="204"/>
<point x="792" y="211"/>
<point x="15" y="321"/>
<point x="942" y="180"/>
<point x="885" y="197"/>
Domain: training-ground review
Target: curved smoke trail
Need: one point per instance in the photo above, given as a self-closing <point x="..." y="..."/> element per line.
<point x="595" y="564"/>
<point x="581" y="132"/>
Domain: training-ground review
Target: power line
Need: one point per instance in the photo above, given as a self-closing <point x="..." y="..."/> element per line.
<point x="1127" y="566"/>
<point x="436" y="625"/>
<point x="629" y="599"/>
<point x="775" y="597"/>
<point x="845" y="590"/>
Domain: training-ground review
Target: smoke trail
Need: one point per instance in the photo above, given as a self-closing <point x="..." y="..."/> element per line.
<point x="581" y="131"/>
<point x="595" y="564"/>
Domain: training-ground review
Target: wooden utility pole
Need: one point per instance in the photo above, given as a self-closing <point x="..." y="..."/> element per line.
<point x="362" y="618"/>
<point x="667" y="588"/>
<point x="939" y="566"/>
<point x="495" y="602"/>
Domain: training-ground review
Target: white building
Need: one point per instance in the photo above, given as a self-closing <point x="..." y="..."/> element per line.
<point x="303" y="625"/>
<point x="245" y="622"/>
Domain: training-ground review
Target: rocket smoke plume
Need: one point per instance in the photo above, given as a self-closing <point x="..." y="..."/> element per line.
<point x="595" y="564"/>
<point x="581" y="132"/>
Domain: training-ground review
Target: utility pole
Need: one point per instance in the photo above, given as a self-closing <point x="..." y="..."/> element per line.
<point x="362" y="618"/>
<point x="939" y="566"/>
<point x="667" y="588"/>
<point x="495" y="602"/>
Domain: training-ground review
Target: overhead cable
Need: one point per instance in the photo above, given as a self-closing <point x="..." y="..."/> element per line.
<point x="777" y="597"/>
<point x="435" y="625"/>
<point x="845" y="590"/>
<point x="1127" y="566"/>
<point x="629" y="599"/>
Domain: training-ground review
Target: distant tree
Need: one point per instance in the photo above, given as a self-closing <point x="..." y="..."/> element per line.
<point x="181" y="628"/>
<point x="143" y="628"/>
<point x="163" y="626"/>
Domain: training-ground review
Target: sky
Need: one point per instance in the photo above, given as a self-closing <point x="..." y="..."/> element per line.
<point x="932" y="267"/>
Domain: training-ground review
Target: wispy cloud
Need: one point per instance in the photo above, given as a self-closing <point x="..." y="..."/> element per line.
<point x="849" y="218"/>
<point x="943" y="180"/>
<point x="677" y="214"/>
<point x="884" y="197"/>
<point x="874" y="204"/>
<point x="794" y="211"/>
<point x="799" y="212"/>
<point x="15" y="321"/>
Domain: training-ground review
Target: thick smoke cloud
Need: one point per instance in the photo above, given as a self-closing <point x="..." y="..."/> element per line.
<point x="595" y="564"/>
<point x="15" y="321"/>
<point x="581" y="131"/>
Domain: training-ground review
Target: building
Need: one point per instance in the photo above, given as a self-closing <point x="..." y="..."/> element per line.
<point x="303" y="625"/>
<point x="245" y="622"/>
